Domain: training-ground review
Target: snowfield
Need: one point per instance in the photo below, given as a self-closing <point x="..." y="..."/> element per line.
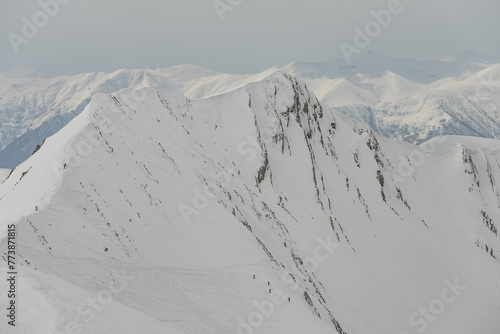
<point x="170" y="205"/>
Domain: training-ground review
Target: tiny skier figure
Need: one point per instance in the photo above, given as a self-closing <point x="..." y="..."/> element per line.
<point x="253" y="276"/>
<point x="288" y="299"/>
<point x="64" y="166"/>
<point x="268" y="284"/>
<point x="269" y="290"/>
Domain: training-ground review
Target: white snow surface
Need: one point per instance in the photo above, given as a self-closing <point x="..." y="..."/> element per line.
<point x="169" y="206"/>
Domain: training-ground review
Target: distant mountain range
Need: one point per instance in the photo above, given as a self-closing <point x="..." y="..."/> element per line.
<point x="406" y="99"/>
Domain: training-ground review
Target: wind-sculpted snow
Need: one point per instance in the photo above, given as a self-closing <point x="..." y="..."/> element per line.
<point x="169" y="206"/>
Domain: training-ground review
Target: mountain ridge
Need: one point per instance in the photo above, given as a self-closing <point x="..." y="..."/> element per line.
<point x="266" y="174"/>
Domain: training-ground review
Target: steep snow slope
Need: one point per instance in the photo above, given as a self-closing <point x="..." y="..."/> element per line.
<point x="179" y="202"/>
<point x="34" y="108"/>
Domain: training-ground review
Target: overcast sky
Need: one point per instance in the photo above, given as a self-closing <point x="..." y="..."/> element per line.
<point x="104" y="35"/>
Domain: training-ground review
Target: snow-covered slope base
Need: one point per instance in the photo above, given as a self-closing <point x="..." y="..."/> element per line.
<point x="169" y="206"/>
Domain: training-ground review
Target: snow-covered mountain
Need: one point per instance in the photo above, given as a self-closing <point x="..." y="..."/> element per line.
<point x="33" y="108"/>
<point x="169" y="206"/>
<point x="407" y="99"/>
<point x="411" y="100"/>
